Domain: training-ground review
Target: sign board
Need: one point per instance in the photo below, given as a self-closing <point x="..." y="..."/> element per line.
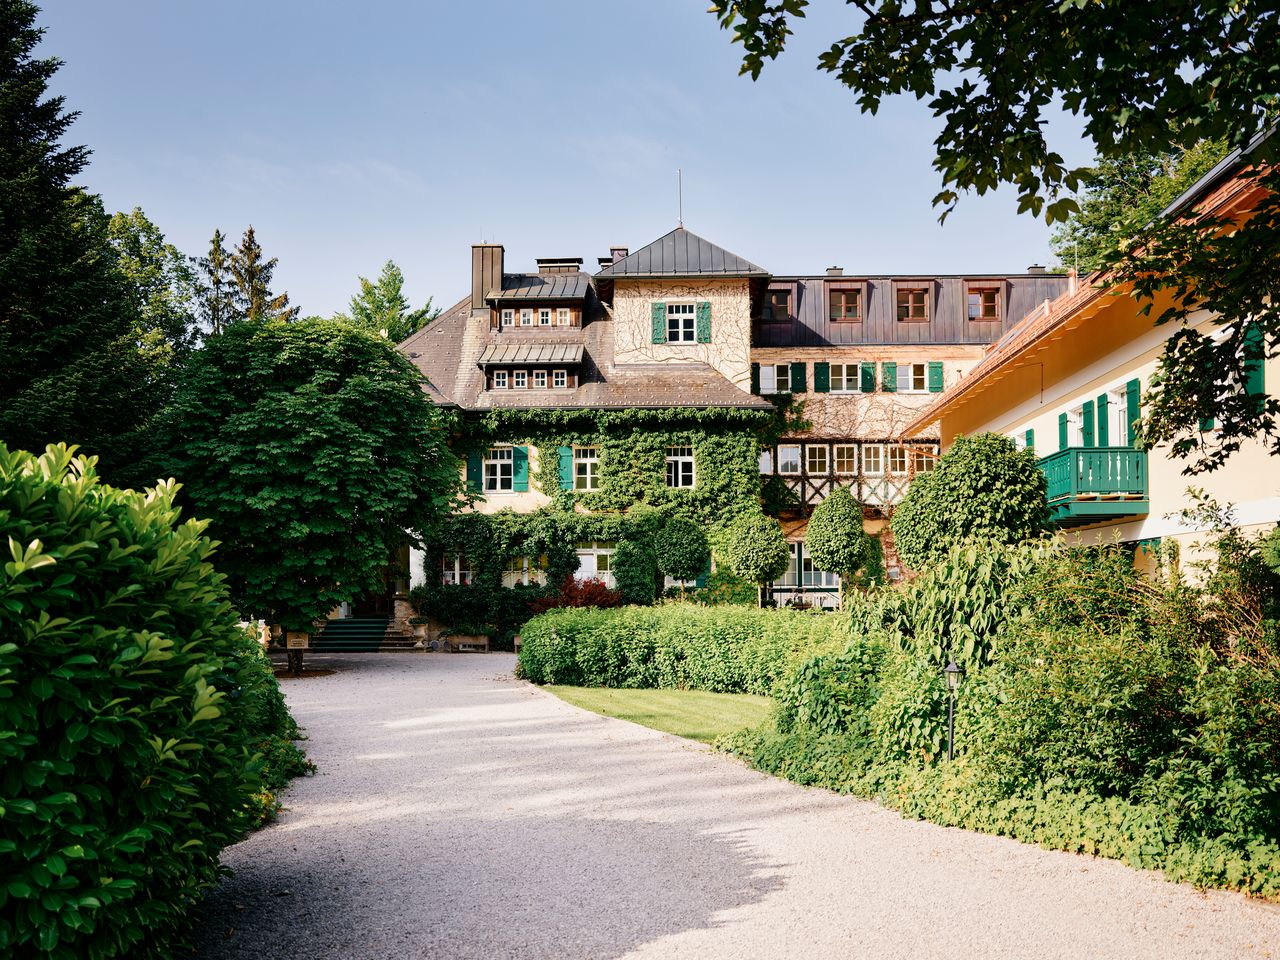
<point x="297" y="640"/>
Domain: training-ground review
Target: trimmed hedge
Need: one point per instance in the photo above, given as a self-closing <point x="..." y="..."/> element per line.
<point x="132" y="712"/>
<point x="678" y="645"/>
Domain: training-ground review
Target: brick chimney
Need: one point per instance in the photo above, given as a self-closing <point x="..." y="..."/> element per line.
<point x="618" y="253"/>
<point x="835" y="271"/>
<point x="1037" y="269"/>
<point x="559" y="265"/>
<point x="486" y="273"/>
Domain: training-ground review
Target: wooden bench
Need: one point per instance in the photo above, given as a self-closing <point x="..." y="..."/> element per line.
<point x="464" y="643"/>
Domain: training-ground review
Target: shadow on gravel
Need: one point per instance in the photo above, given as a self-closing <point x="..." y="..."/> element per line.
<point x="524" y="887"/>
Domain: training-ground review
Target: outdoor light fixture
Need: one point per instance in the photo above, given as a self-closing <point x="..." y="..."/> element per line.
<point x="954" y="673"/>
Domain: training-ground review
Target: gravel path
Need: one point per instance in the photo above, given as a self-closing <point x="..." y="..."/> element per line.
<point x="461" y="813"/>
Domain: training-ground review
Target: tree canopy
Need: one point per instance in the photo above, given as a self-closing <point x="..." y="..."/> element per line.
<point x="757" y="549"/>
<point x="835" y="537"/>
<point x="381" y="306"/>
<point x="311" y="448"/>
<point x="70" y="368"/>
<point x="1148" y="81"/>
<point x="983" y="487"/>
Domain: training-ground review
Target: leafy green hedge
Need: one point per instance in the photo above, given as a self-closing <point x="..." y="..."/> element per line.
<point x="1100" y="712"/>
<point x="132" y="710"/>
<point x="678" y="645"/>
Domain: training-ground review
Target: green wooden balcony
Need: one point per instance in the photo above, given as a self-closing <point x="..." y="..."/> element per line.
<point x="1096" y="484"/>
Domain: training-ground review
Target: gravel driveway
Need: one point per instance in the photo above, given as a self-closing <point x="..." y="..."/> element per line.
<point x="461" y="813"/>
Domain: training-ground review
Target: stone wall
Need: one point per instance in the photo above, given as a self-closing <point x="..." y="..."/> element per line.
<point x="729" y="351"/>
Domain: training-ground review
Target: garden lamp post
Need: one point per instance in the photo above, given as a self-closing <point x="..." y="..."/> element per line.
<point x="953" y="672"/>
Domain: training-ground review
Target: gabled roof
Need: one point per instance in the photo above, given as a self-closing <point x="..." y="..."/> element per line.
<point x="681" y="254"/>
<point x="533" y="286"/>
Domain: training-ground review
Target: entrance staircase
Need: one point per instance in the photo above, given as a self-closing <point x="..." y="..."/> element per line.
<point x="360" y="635"/>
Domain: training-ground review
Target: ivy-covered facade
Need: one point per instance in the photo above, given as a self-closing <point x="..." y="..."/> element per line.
<point x="681" y="379"/>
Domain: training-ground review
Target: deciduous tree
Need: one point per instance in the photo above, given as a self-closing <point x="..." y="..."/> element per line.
<point x="835" y="538"/>
<point x="758" y="551"/>
<point x="314" y="452"/>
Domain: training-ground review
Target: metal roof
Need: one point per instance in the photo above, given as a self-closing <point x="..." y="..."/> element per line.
<point x="504" y="353"/>
<point x="682" y="254"/>
<point x="534" y="286"/>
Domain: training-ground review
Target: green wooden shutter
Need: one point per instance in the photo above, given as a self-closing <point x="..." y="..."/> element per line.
<point x="868" y="373"/>
<point x="702" y="578"/>
<point x="935" y="376"/>
<point x="755" y="379"/>
<point x="566" y="467"/>
<point x="520" y="469"/>
<point x="798" y="384"/>
<point x="822" y="378"/>
<point x="1255" y="385"/>
<point x="1030" y="438"/>
<point x="1206" y="424"/>
<point x="1133" y="409"/>
<point x="658" y="311"/>
<point x="1062" y="431"/>
<point x="889" y="376"/>
<point x="704" y="321"/>
<point x="475" y="472"/>
<point x="1086" y="423"/>
<point x="1104" y="424"/>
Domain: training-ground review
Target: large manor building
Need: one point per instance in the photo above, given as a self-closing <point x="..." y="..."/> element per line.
<point x="684" y="327"/>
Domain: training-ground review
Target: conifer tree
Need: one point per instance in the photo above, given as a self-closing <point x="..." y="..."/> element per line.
<point x="252" y="274"/>
<point x="218" y="293"/>
<point x="70" y="369"/>
<point x="381" y="306"/>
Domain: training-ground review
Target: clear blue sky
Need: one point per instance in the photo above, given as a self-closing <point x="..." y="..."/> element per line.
<point x="350" y="133"/>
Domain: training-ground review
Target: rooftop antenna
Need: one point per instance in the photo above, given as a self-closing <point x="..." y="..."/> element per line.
<point x="680" y="197"/>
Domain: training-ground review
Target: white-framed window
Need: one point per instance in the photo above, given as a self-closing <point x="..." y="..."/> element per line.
<point x="816" y="460"/>
<point x="559" y="379"/>
<point x="586" y="468"/>
<point x="913" y="377"/>
<point x="923" y="459"/>
<point x="499" y="470"/>
<point x="540" y="379"/>
<point x="766" y="461"/>
<point x="520" y="379"/>
<point x="525" y="570"/>
<point x="680" y="467"/>
<point x="508" y="317"/>
<point x="872" y="459"/>
<point x="775" y="378"/>
<point x="846" y="458"/>
<point x="802" y="573"/>
<point x="544" y="317"/>
<point x="526" y="317"/>
<point x="1075" y="427"/>
<point x="595" y="561"/>
<point x="896" y="459"/>
<point x="455" y="569"/>
<point x="681" y="326"/>
<point x="846" y="378"/>
<point x="562" y="316"/>
<point x="789" y="458"/>
<point x="499" y="379"/>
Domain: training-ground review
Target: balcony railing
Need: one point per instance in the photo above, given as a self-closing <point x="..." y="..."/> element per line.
<point x="1095" y="484"/>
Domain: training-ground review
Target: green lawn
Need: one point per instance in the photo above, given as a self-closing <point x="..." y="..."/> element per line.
<point x="695" y="714"/>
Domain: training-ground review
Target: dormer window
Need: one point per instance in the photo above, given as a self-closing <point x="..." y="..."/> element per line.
<point x="499" y="379"/>
<point x="562" y="316"/>
<point x="540" y="379"/>
<point x="559" y="379"/>
<point x="544" y="317"/>
<point x="520" y="379"/>
<point x="777" y="307"/>
<point x="681" y="323"/>
<point x="913" y="303"/>
<point x="508" y="317"/>
<point x="846" y="305"/>
<point x="984" y="303"/>
<point x="526" y="317"/>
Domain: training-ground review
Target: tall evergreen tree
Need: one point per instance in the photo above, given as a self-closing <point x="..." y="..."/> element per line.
<point x="69" y="365"/>
<point x="381" y="306"/>
<point x="252" y="274"/>
<point x="218" y="292"/>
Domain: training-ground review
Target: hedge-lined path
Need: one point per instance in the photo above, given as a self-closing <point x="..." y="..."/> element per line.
<point x="461" y="813"/>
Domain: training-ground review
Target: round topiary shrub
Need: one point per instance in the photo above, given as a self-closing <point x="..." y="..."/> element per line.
<point x="757" y="549"/>
<point x="124" y="759"/>
<point x="682" y="548"/>
<point x="635" y="572"/>
<point x="983" y="488"/>
<point x="835" y="537"/>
